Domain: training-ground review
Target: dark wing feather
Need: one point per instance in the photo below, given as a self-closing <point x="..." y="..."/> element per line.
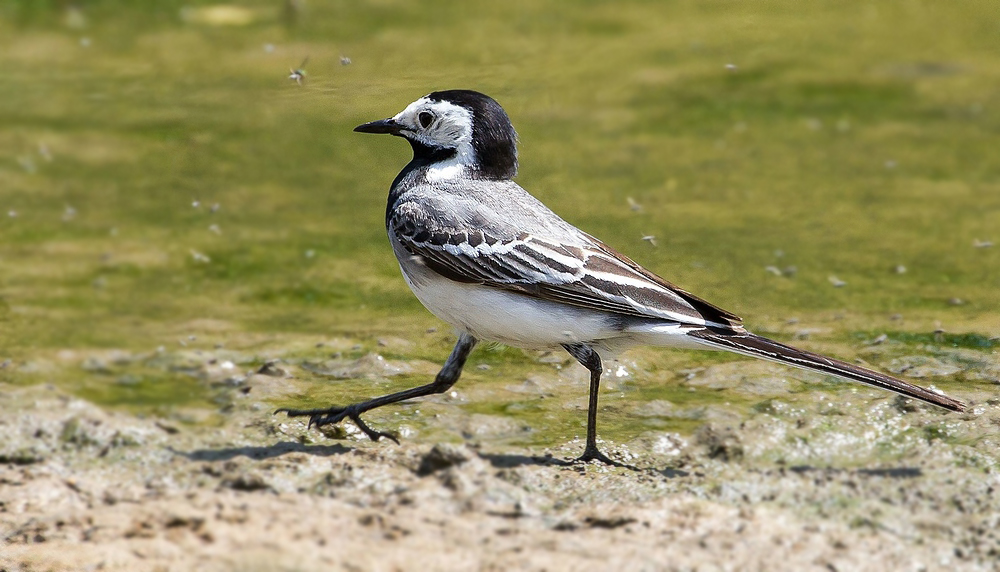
<point x="587" y="274"/>
<point x="707" y="309"/>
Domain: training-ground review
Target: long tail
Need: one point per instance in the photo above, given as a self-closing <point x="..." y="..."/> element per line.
<point x="763" y="348"/>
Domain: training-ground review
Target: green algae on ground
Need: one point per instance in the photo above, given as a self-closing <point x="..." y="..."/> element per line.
<point x="162" y="179"/>
<point x="944" y="339"/>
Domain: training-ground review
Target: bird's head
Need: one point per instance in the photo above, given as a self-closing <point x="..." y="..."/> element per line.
<point x="465" y="129"/>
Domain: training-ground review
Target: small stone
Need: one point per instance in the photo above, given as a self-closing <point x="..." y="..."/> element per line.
<point x="249" y="482"/>
<point x="271" y="369"/>
<point x="881" y="339"/>
<point x="919" y="367"/>
<point x="442" y="456"/>
<point x="720" y="443"/>
<point x="608" y="522"/>
<point x="25" y="456"/>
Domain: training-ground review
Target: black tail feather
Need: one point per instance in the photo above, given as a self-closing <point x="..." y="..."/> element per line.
<point x="763" y="348"/>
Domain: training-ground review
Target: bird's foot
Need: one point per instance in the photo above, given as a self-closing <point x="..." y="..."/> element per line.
<point x="592" y="453"/>
<point x="333" y="415"/>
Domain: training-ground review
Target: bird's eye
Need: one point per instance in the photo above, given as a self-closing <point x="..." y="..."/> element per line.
<point x="425" y="118"/>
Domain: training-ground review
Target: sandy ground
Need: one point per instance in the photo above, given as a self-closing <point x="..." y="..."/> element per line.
<point x="82" y="488"/>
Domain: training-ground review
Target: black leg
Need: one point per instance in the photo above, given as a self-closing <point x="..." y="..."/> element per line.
<point x="590" y="360"/>
<point x="446" y="378"/>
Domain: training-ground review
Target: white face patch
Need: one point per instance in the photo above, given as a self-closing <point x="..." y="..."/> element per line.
<point x="440" y="124"/>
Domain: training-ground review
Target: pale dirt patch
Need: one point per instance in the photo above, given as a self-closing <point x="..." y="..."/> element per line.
<point x="86" y="489"/>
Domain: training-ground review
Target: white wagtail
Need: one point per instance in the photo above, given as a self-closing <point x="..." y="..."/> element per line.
<point x="494" y="262"/>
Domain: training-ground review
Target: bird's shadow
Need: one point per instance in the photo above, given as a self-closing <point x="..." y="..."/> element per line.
<point x="891" y="472"/>
<point x="502" y="461"/>
<point x="497" y="460"/>
<point x="261" y="453"/>
<point x="670" y="473"/>
<point x="895" y="472"/>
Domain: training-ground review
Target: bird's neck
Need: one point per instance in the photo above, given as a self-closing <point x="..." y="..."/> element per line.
<point x="438" y="164"/>
<point x="427" y="165"/>
<point x="489" y="160"/>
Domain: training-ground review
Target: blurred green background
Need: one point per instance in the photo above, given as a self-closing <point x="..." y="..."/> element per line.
<point x="163" y="184"/>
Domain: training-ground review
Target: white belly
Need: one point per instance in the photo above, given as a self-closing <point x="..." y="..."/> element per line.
<point x="492" y="314"/>
<point x="518" y="320"/>
<point x="513" y="319"/>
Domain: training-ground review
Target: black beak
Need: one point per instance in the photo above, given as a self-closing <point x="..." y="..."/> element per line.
<point x="381" y="126"/>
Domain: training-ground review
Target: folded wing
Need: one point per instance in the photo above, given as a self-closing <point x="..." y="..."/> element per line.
<point x="583" y="272"/>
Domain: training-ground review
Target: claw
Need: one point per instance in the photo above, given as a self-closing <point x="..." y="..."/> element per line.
<point x="594" y="454"/>
<point x="371" y="433"/>
<point x="333" y="415"/>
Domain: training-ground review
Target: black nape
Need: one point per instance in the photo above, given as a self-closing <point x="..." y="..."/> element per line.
<point x="493" y="137"/>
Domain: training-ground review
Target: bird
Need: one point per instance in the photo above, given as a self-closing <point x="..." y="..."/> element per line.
<point x="487" y="257"/>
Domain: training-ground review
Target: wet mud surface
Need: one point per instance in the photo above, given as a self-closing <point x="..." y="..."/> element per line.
<point x="831" y="481"/>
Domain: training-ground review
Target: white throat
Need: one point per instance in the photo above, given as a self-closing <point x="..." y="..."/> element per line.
<point x="451" y="129"/>
<point x="455" y="168"/>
